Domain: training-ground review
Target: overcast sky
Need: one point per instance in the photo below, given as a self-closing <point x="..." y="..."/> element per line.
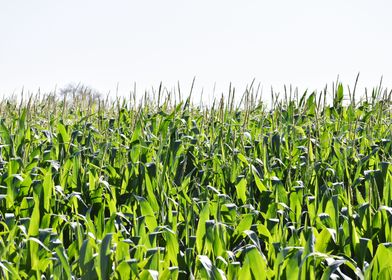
<point x="102" y="43"/>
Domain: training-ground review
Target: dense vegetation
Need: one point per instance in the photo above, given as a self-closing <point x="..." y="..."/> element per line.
<point x="94" y="189"/>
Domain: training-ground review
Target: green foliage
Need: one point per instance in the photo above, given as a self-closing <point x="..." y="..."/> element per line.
<point x="93" y="190"/>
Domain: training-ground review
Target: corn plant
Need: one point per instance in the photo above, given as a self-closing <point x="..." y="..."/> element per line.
<point x="94" y="189"/>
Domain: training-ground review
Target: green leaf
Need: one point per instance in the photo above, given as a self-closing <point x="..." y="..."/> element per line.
<point x="64" y="261"/>
<point x="201" y="228"/>
<point x="241" y="190"/>
<point x="244" y="224"/>
<point x="48" y="187"/>
<point x="105" y="257"/>
<point x="381" y="266"/>
<point x="35" y="219"/>
<point x="257" y="262"/>
<point x="148" y="213"/>
<point x="86" y="259"/>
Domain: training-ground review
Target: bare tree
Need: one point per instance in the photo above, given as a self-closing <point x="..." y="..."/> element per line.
<point x="79" y="92"/>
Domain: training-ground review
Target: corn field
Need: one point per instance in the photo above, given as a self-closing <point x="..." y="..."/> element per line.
<point x="164" y="189"/>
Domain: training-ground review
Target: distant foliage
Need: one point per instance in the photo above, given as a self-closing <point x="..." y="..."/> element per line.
<point x="79" y="93"/>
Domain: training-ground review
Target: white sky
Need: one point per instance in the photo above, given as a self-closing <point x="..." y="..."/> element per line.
<point x="102" y="43"/>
